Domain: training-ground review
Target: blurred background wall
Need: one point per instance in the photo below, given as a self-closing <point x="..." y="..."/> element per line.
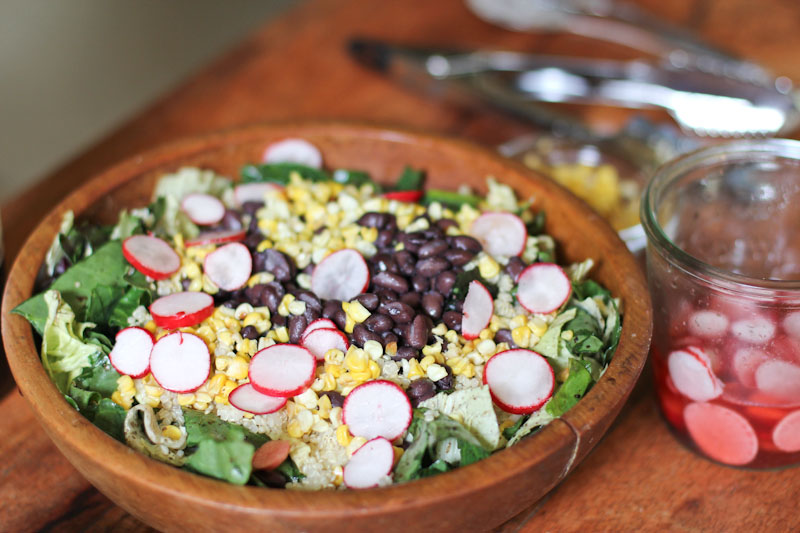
<point x="71" y="70"/>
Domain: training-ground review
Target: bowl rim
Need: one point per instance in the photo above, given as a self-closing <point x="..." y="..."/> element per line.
<point x="60" y="420"/>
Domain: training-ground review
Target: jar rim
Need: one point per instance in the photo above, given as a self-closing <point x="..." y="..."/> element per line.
<point x="668" y="173"/>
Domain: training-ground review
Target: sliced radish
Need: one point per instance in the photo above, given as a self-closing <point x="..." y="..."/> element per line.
<point x="744" y="363"/>
<point x="500" y="233"/>
<point x="707" y="323"/>
<point x="369" y="464"/>
<point x="478" y="309"/>
<point x="229" y="266"/>
<point x="377" y="409"/>
<point x="282" y="370"/>
<point x="691" y="373"/>
<point x="779" y="378"/>
<point x="151" y="256"/>
<point x="253" y="192"/>
<point x="320" y="323"/>
<point x="217" y="237"/>
<point x="791" y="324"/>
<point x="756" y="330"/>
<point x="180" y="362"/>
<point x="520" y="381"/>
<point x="320" y="340"/>
<point x="131" y="353"/>
<point x="246" y="398"/>
<point x="721" y="433"/>
<point x="342" y="275"/>
<point x="271" y="454"/>
<point x="543" y="288"/>
<point x="404" y="196"/>
<point x="182" y="309"/>
<point x="297" y="151"/>
<point x="203" y="209"/>
<point x="786" y="434"/>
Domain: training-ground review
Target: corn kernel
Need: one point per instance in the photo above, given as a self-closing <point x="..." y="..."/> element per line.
<point x="334" y="356"/>
<point x="374" y="369"/>
<point x="282" y="334"/>
<point x="435" y="372"/>
<point x="324" y="407"/>
<point x="391" y="348"/>
<point x="338" y="474"/>
<point x="336" y="416"/>
<point x="486" y="347"/>
<point x="373" y="349"/>
<point x="125" y="384"/>
<point x="414" y="369"/>
<point x="118" y="399"/>
<point x="521" y="336"/>
<point x="488" y="267"/>
<point x="335" y="371"/>
<point x="355" y="444"/>
<point x="150" y="326"/>
<point x="171" y="432"/>
<point x="451" y="336"/>
<point x="432" y="349"/>
<point x="153" y="391"/>
<point x="349" y="325"/>
<point x="294" y="429"/>
<point x="264" y="245"/>
<point x="537" y="326"/>
<point x="225" y="336"/>
<point x="185" y="399"/>
<point x="296" y="307"/>
<point x="357" y="312"/>
<point x="517" y="321"/>
<point x="343" y="436"/>
<point x="283" y="307"/>
<point x="237" y="368"/>
<point x="426" y="362"/>
<point x="209" y="286"/>
<point x="307" y="399"/>
<point x="221" y="399"/>
<point x="485" y="334"/>
<point x="398" y="453"/>
<point x="440" y="329"/>
<point x="221" y="362"/>
<point x="356" y="359"/>
<point x="567" y="335"/>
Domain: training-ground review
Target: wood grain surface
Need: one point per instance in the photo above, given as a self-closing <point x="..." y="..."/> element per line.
<point x="639" y="477"/>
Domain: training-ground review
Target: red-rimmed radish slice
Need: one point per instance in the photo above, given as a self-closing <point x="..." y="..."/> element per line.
<point x="377" y="409"/>
<point x="203" y="209"/>
<point x="756" y="330"/>
<point x="744" y="363"/>
<point x="320" y="340"/>
<point x="543" y="288"/>
<point x="297" y="151"/>
<point x="320" y="323"/>
<point x="500" y="233"/>
<point x="691" y="373"/>
<point x="791" y="324"/>
<point x="229" y="266"/>
<point x="217" y="237"/>
<point x="520" y="380"/>
<point x="282" y="370"/>
<point x="131" y="353"/>
<point x="786" y="434"/>
<point x="780" y="379"/>
<point x="404" y="196"/>
<point x="369" y="464"/>
<point x="151" y="256"/>
<point x="721" y="433"/>
<point x="180" y="362"/>
<point x="246" y="398"/>
<point x="708" y="323"/>
<point x="478" y="309"/>
<point x="342" y="275"/>
<point x="182" y="309"/>
<point x="253" y="192"/>
<point x="271" y="454"/>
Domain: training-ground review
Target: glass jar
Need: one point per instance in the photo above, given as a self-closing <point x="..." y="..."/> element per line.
<point x="723" y="265"/>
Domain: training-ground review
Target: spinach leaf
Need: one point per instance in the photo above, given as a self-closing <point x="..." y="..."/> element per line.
<point x="410" y="180"/>
<point x="443" y="427"/>
<point x="450" y="199"/>
<point x="85" y="401"/>
<point x="536" y="226"/>
<point x="290" y="471"/>
<point x="572" y="390"/>
<point x="100" y="377"/>
<point x="230" y="460"/>
<point x="280" y="173"/>
<point x="509" y="432"/>
<point x="201" y="426"/>
<point x="124" y="307"/>
<point x="410" y="463"/>
<point x="100" y="303"/>
<point x="110" y="417"/>
<point x="437" y="467"/>
<point x="589" y="288"/>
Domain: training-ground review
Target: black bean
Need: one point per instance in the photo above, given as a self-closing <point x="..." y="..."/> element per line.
<point x="465" y="242"/>
<point x="339" y="318"/>
<point x="452" y="319"/>
<point x="388" y="338"/>
<point x="432" y="303"/>
<point x="250" y="332"/>
<point x="504" y="335"/>
<point x="458" y="305"/>
<point x="385" y="238"/>
<point x="418" y="332"/>
<point x="361" y="335"/>
<point x="432" y="248"/>
<point x="445" y="281"/>
<point x="412" y="241"/>
<point x="445" y="223"/>
<point x="279" y="264"/>
<point x="386" y="296"/>
<point x="431" y="266"/>
<point x="369" y="300"/>
<point x="378" y="323"/>
<point x="405" y="262"/>
<point x="278" y="321"/>
<point x="309" y="298"/>
<point x="447" y="382"/>
<point x="420" y="390"/>
<point x="412" y="299"/>
<point x="280" y="290"/>
<point x="401" y="330"/>
<point x="433" y="233"/>
<point x="383" y="262"/>
<point x="394" y="282"/>
<point x="252" y="241"/>
<point x="405" y="352"/>
<point x="311" y="314"/>
<point x="231" y="220"/>
<point x="373" y="220"/>
<point x="515" y="267"/>
<point x="297" y="325"/>
<point x="330" y="308"/>
<point x="458" y="257"/>
<point x="420" y="283"/>
<point x="263" y="295"/>
<point x="399" y="312"/>
<point x="337" y="400"/>
<point x="251" y="207"/>
<point x="391" y="222"/>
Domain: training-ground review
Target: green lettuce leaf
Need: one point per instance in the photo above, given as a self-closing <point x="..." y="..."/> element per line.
<point x="572" y="390"/>
<point x="201" y="426"/>
<point x="230" y="460"/>
<point x="110" y="418"/>
<point x="410" y="180"/>
<point x="280" y="173"/>
<point x="550" y="343"/>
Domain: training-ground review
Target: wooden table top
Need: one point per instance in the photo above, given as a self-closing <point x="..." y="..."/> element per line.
<point x="638" y="477"/>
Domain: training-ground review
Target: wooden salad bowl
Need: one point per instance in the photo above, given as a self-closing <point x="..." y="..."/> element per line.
<point x="476" y="497"/>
